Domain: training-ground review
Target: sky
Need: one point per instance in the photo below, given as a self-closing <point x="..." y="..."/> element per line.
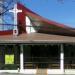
<point x="55" y="10"/>
<point x="63" y="13"/>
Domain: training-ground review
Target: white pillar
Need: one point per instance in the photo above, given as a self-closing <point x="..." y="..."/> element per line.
<point x="21" y="59"/>
<point x="62" y="59"/>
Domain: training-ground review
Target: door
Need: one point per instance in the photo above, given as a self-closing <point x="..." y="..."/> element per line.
<point x="46" y="56"/>
<point x="69" y="56"/>
<point x="41" y="56"/>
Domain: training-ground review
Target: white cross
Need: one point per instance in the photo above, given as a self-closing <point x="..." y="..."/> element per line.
<point x="15" y="11"/>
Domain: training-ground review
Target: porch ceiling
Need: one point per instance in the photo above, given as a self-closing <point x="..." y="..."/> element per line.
<point x="36" y="38"/>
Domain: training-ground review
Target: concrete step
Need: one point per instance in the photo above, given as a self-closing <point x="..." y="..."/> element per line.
<point x="41" y="72"/>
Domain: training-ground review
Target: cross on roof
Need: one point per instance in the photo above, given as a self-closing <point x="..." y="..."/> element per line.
<point x="15" y="11"/>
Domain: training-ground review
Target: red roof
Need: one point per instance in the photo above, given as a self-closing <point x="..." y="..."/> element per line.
<point x="46" y="26"/>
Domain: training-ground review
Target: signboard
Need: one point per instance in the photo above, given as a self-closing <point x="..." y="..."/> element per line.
<point x="9" y="59"/>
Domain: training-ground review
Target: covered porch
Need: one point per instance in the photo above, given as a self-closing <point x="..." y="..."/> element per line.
<point x="39" y="51"/>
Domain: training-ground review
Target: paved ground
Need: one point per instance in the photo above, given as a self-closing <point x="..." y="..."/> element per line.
<point x="28" y="74"/>
<point x="11" y="74"/>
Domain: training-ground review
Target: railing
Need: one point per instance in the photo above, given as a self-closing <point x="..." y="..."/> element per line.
<point x="49" y="62"/>
<point x="69" y="62"/>
<point x="9" y="66"/>
<point x="42" y="62"/>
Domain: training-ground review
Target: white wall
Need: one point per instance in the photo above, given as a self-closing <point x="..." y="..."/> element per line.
<point x="29" y="27"/>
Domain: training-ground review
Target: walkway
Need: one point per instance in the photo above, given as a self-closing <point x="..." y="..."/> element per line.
<point x="28" y="74"/>
<point x="41" y="72"/>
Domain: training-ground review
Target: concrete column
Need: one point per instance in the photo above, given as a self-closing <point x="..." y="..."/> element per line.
<point x="62" y="59"/>
<point x="21" y="59"/>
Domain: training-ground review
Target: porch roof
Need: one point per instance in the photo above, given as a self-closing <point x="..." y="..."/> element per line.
<point x="36" y="38"/>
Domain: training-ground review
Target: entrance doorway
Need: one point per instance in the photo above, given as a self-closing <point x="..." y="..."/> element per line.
<point x="69" y="56"/>
<point x="41" y="56"/>
<point x="9" y="57"/>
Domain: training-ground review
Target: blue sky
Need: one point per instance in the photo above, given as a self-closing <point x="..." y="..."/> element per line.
<point x="63" y="13"/>
<point x="53" y="10"/>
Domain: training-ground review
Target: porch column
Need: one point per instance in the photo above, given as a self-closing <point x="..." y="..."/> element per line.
<point x="21" y="58"/>
<point x="62" y="59"/>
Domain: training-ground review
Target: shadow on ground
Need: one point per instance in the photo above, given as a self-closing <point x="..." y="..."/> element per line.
<point x="12" y="74"/>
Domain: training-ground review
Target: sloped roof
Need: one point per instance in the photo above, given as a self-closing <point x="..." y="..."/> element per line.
<point x="36" y="38"/>
<point x="43" y="25"/>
